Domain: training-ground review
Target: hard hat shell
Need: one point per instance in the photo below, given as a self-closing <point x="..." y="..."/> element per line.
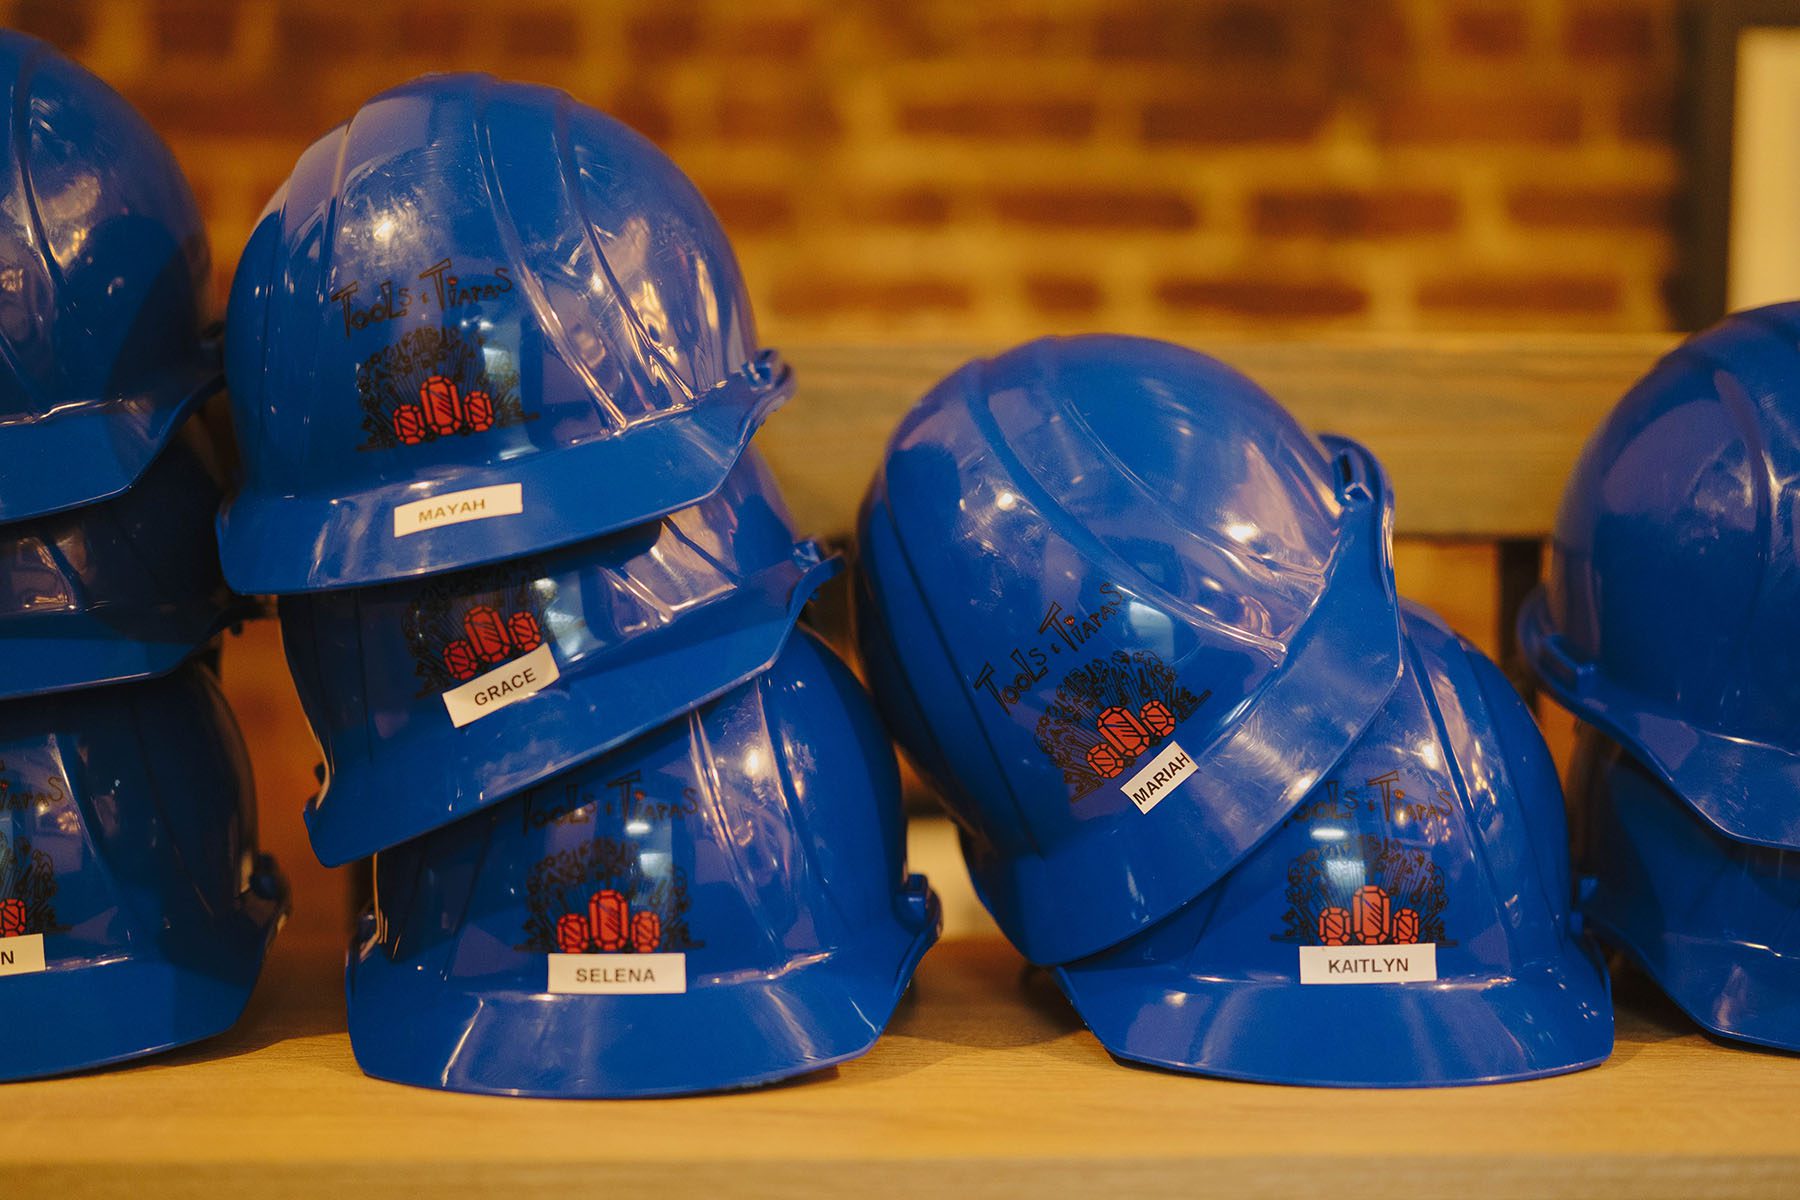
<point x="105" y="267"/>
<point x="1668" y="618"/>
<point x="1711" y="920"/>
<point x="123" y="589"/>
<point x="721" y="903"/>
<point x="1124" y="612"/>
<point x="1408" y="926"/>
<point x="435" y="697"/>
<point x="134" y="907"/>
<point x="479" y="320"/>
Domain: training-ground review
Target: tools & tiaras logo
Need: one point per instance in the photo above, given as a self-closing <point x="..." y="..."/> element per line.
<point x="464" y="624"/>
<point x="434" y="383"/>
<point x="597" y="898"/>
<point x="27" y="886"/>
<point x="1109" y="713"/>
<point x="1367" y="890"/>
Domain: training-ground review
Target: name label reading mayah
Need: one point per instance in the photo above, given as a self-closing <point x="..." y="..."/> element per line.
<point x="618" y="974"/>
<point x="1158" y="777"/>
<point x="1369" y="964"/>
<point x="506" y="684"/>
<point x="453" y="508"/>
<point x="22" y="955"/>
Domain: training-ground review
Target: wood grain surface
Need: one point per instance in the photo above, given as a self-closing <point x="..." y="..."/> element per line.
<point x="986" y="1085"/>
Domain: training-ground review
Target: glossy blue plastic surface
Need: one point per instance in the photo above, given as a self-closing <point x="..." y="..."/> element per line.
<point x="1668" y="616"/>
<point x="628" y="631"/>
<point x="124" y="589"/>
<point x="1710" y="919"/>
<point x="1449" y="806"/>
<point x="128" y="845"/>
<point x="1090" y="526"/>
<point x="105" y="261"/>
<point x="500" y="239"/>
<point x="762" y="832"/>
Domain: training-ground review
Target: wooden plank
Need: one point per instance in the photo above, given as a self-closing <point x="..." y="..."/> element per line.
<point x="1478" y="432"/>
<point x="986" y="1085"/>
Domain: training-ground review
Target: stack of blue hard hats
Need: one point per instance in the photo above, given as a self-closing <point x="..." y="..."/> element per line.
<point x="494" y="379"/>
<point x="1667" y="625"/>
<point x="1264" y="820"/>
<point x="134" y="908"/>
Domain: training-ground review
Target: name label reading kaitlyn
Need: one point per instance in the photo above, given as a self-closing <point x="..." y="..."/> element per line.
<point x="1368" y="964"/>
<point x="618" y="974"/>
<point x="453" y="508"/>
<point x="506" y="684"/>
<point x="22" y="955"/>
<point x="1158" y="777"/>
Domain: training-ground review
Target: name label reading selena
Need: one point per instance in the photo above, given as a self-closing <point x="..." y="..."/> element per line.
<point x="1158" y="777"/>
<point x="453" y="508"/>
<point x="22" y="955"/>
<point x="506" y="684"/>
<point x="618" y="974"/>
<point x="1369" y="964"/>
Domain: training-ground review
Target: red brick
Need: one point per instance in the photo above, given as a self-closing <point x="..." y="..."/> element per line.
<point x="1062" y="295"/>
<point x="541" y="33"/>
<point x="269" y="111"/>
<point x="195" y="27"/>
<point x="1497" y="295"/>
<point x="1342" y="213"/>
<point x="917" y="206"/>
<point x="1486" y="31"/>
<point x="321" y="30"/>
<point x="777" y="119"/>
<point x="999" y="119"/>
<point x="1487" y="117"/>
<point x="1611" y="31"/>
<point x="1369" y="43"/>
<point x="1648" y="115"/>
<point x="1096" y="208"/>
<point x="1235" y="118"/>
<point x="751" y="210"/>
<point x="814" y="296"/>
<point x="1592" y="207"/>
<point x="1251" y="296"/>
<point x="643" y="110"/>
<point x="1232" y="34"/>
<point x="63" y="23"/>
<point x="662" y="35"/>
<point x="759" y="40"/>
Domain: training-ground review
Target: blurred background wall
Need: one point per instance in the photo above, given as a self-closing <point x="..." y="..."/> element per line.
<point x="984" y="172"/>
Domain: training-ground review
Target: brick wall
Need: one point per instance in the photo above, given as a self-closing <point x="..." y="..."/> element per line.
<point x="946" y="168"/>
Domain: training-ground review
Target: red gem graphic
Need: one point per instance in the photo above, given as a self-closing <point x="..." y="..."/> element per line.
<point x="487" y="634"/>
<point x="1369" y="911"/>
<point x="409" y="424"/>
<point x="523" y="628"/>
<point x="1406" y="926"/>
<point x="12" y="917"/>
<point x="478" y="412"/>
<point x="442" y="406"/>
<point x="460" y="660"/>
<point x="1104" y="760"/>
<point x="572" y="933"/>
<point x="646" y="932"/>
<point x="1334" y="927"/>
<point x="608" y="915"/>
<point x="1157" y="718"/>
<point x="1127" y="735"/>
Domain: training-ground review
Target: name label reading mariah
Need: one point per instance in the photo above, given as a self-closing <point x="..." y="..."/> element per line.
<point x="453" y="508"/>
<point x="1369" y="964"/>
<point x="1158" y="777"/>
<point x="22" y="955"/>
<point x="618" y="974"/>
<point x="506" y="684"/>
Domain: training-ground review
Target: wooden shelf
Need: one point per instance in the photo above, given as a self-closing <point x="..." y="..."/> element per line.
<point x="986" y="1085"/>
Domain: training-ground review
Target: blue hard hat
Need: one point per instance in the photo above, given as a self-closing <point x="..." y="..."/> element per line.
<point x="1407" y="926"/>
<point x="134" y="907"/>
<point x="103" y="277"/>
<point x="1667" y="619"/>
<point x="479" y="320"/>
<point x="1713" y="921"/>
<point x="719" y="904"/>
<point x="1124" y="613"/>
<point x="435" y="697"/>
<point x="123" y="589"/>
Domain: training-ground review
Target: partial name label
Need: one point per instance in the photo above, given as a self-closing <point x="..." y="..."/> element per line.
<point x="1369" y="964"/>
<point x="453" y="508"/>
<point x="506" y="684"/>
<point x="618" y="974"/>
<point x="22" y="955"/>
<point x="1158" y="777"/>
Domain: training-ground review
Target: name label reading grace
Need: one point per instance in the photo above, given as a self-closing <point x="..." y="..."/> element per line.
<point x="618" y="974"/>
<point x="1158" y="777"/>
<point x="506" y="684"/>
<point x="453" y="508"/>
<point x="22" y="955"/>
<point x="1368" y="964"/>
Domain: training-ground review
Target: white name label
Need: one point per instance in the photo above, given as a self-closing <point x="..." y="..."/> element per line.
<point x="1158" y="777"/>
<point x="1368" y="964"/>
<point x="506" y="684"/>
<point x="453" y="508"/>
<point x="618" y="974"/>
<point x="22" y="955"/>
